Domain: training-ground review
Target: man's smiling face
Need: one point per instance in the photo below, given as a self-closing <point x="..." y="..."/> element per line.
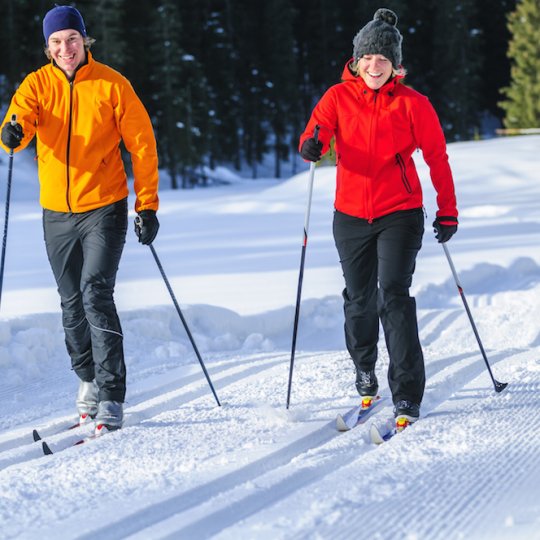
<point x="66" y="48"/>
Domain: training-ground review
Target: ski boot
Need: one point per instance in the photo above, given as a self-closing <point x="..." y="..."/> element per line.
<point x="110" y="417"/>
<point x="405" y="412"/>
<point x="87" y="401"/>
<point x="367" y="386"/>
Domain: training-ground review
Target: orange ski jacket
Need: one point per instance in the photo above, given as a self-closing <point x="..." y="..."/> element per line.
<point x="376" y="133"/>
<point x="79" y="126"/>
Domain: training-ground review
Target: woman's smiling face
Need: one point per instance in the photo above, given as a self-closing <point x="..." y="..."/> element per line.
<point x="375" y="69"/>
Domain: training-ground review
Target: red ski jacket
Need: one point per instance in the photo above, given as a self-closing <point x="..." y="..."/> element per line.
<point x="376" y="133"/>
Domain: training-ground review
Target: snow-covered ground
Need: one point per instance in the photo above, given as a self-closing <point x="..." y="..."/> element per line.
<point x="183" y="467"/>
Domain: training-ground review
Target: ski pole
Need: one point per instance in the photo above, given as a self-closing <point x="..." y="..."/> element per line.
<point x="138" y="222"/>
<point x="6" y="218"/>
<point x="312" y="166"/>
<point x="499" y="387"/>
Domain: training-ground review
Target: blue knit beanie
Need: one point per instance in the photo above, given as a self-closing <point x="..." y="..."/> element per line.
<point x="62" y="18"/>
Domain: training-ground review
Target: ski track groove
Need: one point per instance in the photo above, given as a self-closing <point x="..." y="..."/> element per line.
<point x="10" y="390"/>
<point x="241" y="371"/>
<point x="161" y="511"/>
<point x="342" y="463"/>
<point x="56" y="423"/>
<point x="431" y="334"/>
<point x="23" y="448"/>
<point x="477" y="494"/>
<point x="530" y="446"/>
<point x="466" y="368"/>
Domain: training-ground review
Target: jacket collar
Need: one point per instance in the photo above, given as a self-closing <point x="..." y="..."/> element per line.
<point x="87" y="63"/>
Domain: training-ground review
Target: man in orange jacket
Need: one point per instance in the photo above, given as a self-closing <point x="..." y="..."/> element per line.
<point x="378" y="226"/>
<point x="79" y="110"/>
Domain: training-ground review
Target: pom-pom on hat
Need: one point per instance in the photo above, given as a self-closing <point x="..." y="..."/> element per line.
<point x="62" y="18"/>
<point x="380" y="36"/>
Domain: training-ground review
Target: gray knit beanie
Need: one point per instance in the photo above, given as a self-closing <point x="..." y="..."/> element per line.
<point x="380" y="36"/>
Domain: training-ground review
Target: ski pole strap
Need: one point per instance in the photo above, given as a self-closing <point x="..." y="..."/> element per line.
<point x="316" y="133"/>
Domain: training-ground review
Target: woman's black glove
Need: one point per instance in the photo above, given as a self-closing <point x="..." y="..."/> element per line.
<point x="311" y="149"/>
<point x="444" y="228"/>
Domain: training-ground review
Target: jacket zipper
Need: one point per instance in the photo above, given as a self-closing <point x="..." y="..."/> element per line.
<point x="404" y="179"/>
<point x="68" y="144"/>
<point x="368" y="198"/>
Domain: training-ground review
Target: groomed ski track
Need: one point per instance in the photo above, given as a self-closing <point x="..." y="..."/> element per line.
<point x="184" y="468"/>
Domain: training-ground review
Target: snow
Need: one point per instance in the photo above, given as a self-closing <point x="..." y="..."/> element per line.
<point x="183" y="467"/>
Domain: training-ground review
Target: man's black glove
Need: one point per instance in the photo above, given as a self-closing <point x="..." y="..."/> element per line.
<point x="311" y="149"/>
<point x="445" y="227"/>
<point x="12" y="135"/>
<point x="146" y="226"/>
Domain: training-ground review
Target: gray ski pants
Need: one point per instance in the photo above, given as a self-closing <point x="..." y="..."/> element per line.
<point x="84" y="251"/>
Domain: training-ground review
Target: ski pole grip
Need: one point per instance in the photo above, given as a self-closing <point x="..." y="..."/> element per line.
<point x="138" y="225"/>
<point x="316" y="133"/>
<point x="13" y="119"/>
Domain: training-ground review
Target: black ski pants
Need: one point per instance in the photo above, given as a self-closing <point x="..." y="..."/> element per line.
<point x="84" y="251"/>
<point x="378" y="261"/>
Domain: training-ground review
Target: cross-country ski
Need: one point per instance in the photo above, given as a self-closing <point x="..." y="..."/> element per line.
<point x="380" y="433"/>
<point x="359" y="414"/>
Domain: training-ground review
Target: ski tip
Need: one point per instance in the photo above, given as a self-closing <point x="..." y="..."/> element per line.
<point x="46" y="450"/>
<point x="341" y="425"/>
<point x="375" y="435"/>
<point x="36" y="435"/>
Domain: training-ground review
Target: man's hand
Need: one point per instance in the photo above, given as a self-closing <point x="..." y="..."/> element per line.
<point x="146" y="226"/>
<point x="12" y="135"/>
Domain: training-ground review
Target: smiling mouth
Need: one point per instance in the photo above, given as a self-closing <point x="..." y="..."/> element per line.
<point x="374" y="75"/>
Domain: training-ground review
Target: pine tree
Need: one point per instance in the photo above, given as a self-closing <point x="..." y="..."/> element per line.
<point x="522" y="105"/>
<point x="416" y="26"/>
<point x="495" y="69"/>
<point x="280" y="91"/>
<point x="209" y="36"/>
<point x="224" y="120"/>
<point x="167" y="96"/>
<point x="103" y="20"/>
<point x="11" y="58"/>
<point x="247" y="20"/>
<point x="456" y="63"/>
<point x="179" y="98"/>
<point x="233" y="81"/>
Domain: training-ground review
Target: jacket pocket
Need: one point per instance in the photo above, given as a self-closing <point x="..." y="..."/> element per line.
<point x="404" y="179"/>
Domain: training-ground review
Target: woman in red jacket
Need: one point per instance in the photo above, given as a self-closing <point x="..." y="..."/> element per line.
<point x="378" y="225"/>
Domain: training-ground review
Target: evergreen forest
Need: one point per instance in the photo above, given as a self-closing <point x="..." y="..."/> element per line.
<point x="232" y="82"/>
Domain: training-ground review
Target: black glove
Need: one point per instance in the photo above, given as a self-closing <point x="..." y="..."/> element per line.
<point x="12" y="135"/>
<point x="311" y="149"/>
<point x="445" y="227"/>
<point x="146" y="226"/>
